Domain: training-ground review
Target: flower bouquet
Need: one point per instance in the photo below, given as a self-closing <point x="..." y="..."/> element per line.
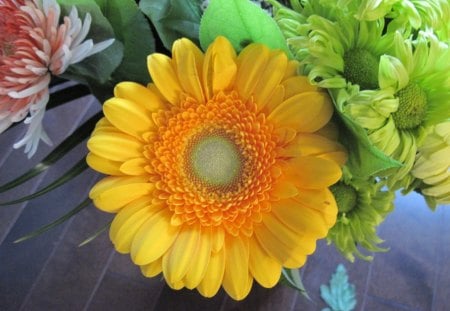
<point x="236" y="133"/>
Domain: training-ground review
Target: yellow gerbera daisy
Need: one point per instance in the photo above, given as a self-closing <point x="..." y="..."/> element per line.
<point x="220" y="174"/>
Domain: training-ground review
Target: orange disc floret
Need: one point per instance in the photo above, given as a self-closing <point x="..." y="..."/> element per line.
<point x="226" y="158"/>
<point x="220" y="152"/>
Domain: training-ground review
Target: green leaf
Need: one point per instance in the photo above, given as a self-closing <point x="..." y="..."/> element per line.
<point x="61" y="150"/>
<point x="340" y="295"/>
<point x="292" y="278"/>
<point x="133" y="30"/>
<point x="100" y="66"/>
<point x="241" y="22"/>
<point x="55" y="223"/>
<point x="96" y="234"/>
<point x="76" y="170"/>
<point x="364" y="158"/>
<point x="173" y="19"/>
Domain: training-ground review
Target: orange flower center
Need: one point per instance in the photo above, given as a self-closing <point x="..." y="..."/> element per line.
<point x="214" y="162"/>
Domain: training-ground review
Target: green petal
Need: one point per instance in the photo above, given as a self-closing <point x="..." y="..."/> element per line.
<point x="356" y="229"/>
<point x="371" y="10"/>
<point x="392" y="73"/>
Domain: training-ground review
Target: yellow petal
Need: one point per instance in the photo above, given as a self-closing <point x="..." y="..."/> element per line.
<point x="210" y="284"/>
<point x="249" y="284"/>
<point x="270" y="77"/>
<point x="219" y="67"/>
<point x="295" y="262"/>
<point x="291" y="69"/>
<point x="312" y="172"/>
<point x="309" y="145"/>
<point x="106" y="130"/>
<point x="284" y="135"/>
<point x="330" y="131"/>
<point x="198" y="267"/>
<point x="189" y="61"/>
<point x="128" y="221"/>
<point x="338" y="157"/>
<point x="103" y="122"/>
<point x="273" y="100"/>
<point x="305" y="112"/>
<point x="113" y="181"/>
<point x="177" y="260"/>
<point x="176" y="286"/>
<point x="298" y="84"/>
<point x="217" y="238"/>
<point x="154" y="238"/>
<point x="263" y="267"/>
<point x="251" y="64"/>
<point x="141" y="95"/>
<point x="103" y="165"/>
<point x="115" y="198"/>
<point x="134" y="167"/>
<point x="315" y="145"/>
<point x="235" y="279"/>
<point x="128" y="116"/>
<point x="107" y="193"/>
<point x="164" y="76"/>
<point x="300" y="218"/>
<point x="152" y="269"/>
<point x="284" y="189"/>
<point x="321" y="200"/>
<point x="295" y="240"/>
<point x="286" y="255"/>
<point x="118" y="147"/>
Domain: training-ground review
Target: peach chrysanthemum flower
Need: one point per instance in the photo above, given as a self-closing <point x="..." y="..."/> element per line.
<point x="220" y="169"/>
<point x="34" y="45"/>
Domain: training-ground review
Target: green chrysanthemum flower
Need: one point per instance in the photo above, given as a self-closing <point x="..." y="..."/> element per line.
<point x="374" y="110"/>
<point x="330" y="9"/>
<point x="406" y="16"/>
<point x="432" y="166"/>
<point x="416" y="14"/>
<point x="410" y="15"/>
<point x="418" y="77"/>
<point x="415" y="94"/>
<point x="293" y="22"/>
<point x="391" y="86"/>
<point x="362" y="207"/>
<point x="336" y="53"/>
<point x="371" y="10"/>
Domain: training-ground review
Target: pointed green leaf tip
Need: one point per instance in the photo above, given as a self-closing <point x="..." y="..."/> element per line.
<point x="241" y="22"/>
<point x="365" y="159"/>
<point x="292" y="278"/>
<point x="340" y="295"/>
